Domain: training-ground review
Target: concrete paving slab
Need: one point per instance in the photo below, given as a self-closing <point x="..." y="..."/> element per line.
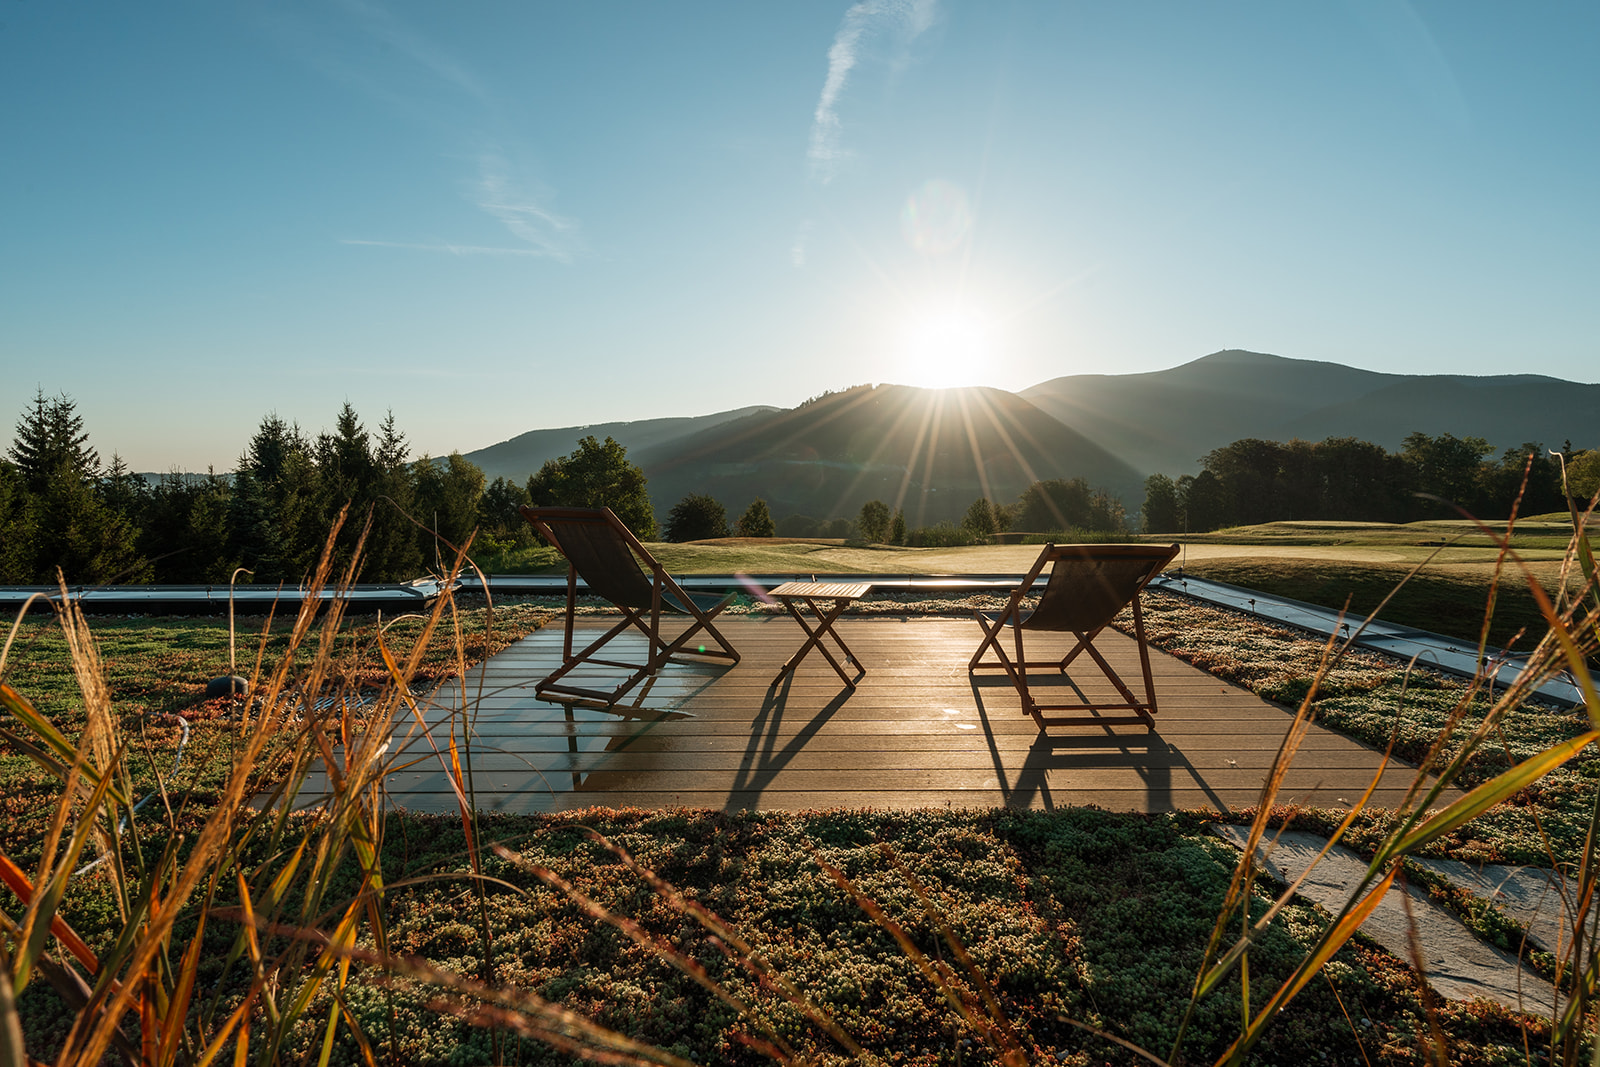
<point x="1458" y="964"/>
<point x="1532" y="896"/>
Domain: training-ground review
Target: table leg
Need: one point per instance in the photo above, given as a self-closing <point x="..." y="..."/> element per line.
<point x="825" y="621"/>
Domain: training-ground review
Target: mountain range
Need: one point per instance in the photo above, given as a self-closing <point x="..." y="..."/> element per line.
<point x="933" y="451"/>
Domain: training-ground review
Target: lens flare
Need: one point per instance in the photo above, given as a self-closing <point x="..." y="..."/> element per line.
<point x="936" y="218"/>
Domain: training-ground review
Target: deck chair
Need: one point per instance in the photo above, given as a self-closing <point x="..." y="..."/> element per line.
<point x="602" y="550"/>
<point x="1087" y="587"/>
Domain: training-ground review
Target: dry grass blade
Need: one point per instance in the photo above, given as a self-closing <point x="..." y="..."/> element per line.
<point x="991" y="1002"/>
<point x="501" y="1019"/>
<point x="1123" y="1042"/>
<point x="1209" y="979"/>
<point x="18" y="883"/>
<point x="1238" y="893"/>
<point x="216" y="835"/>
<point x="1331" y="942"/>
<point x="1493" y="792"/>
<point x="12" y="1051"/>
<point x="38" y="919"/>
<point x="587" y="1035"/>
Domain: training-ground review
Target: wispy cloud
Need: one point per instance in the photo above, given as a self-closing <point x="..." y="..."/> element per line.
<point x="544" y="233"/>
<point x="1401" y="31"/>
<point x="379" y="23"/>
<point x="453" y="249"/>
<point x="521" y="212"/>
<point x="909" y="17"/>
<point x="405" y="72"/>
<point x="802" y="237"/>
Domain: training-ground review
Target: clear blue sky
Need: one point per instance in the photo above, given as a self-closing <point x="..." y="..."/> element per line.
<point x="492" y="217"/>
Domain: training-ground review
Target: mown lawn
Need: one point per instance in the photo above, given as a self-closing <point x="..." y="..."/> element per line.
<point x="1446" y="598"/>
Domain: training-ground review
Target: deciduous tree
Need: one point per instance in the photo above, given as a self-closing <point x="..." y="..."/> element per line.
<point x="447" y="496"/>
<point x="873" y="522"/>
<point x="697" y="517"/>
<point x="756" y="520"/>
<point x="979" y="519"/>
<point x="597" y="475"/>
<point x="1160" y="511"/>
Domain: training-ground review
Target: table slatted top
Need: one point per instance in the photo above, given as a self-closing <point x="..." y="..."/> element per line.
<point x="828" y="590"/>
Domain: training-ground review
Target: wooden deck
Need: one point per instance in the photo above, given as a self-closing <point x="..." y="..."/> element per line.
<point x="918" y="731"/>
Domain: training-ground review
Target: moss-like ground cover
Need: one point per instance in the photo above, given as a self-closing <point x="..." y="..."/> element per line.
<point x="1079" y="914"/>
<point x="1374" y="698"/>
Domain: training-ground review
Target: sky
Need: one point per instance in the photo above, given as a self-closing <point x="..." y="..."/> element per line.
<point x="494" y="217"/>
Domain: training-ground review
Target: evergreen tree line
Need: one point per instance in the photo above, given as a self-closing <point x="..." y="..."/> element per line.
<point x="1342" y="478"/>
<point x="61" y="507"/>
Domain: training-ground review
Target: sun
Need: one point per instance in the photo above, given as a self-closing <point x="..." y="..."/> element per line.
<point x="946" y="347"/>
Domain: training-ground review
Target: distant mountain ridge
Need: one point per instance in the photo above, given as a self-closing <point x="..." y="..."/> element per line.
<point x="1166" y="421"/>
<point x="930" y="452"/>
<point x="934" y="451"/>
<point x="525" y="453"/>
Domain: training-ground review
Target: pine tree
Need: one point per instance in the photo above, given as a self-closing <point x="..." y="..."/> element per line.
<point x="59" y="522"/>
<point x="392" y="552"/>
<point x="51" y="443"/>
<point x="346" y="477"/>
<point x="277" y="526"/>
<point x="16" y="531"/>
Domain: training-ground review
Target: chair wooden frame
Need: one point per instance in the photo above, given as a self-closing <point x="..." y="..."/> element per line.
<point x="1088" y="585"/>
<point x="601" y="549"/>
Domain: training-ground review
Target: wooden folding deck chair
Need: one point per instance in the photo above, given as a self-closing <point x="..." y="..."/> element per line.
<point x="602" y="550"/>
<point x="1088" y="586"/>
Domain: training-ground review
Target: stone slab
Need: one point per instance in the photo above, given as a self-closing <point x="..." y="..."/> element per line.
<point x="1533" y="896"/>
<point x="1458" y="964"/>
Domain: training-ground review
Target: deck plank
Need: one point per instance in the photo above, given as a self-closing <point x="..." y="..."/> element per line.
<point x="917" y="731"/>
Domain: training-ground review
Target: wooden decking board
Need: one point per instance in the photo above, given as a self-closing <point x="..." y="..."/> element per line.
<point x="709" y="735"/>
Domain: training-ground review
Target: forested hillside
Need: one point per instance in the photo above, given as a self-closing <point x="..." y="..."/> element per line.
<point x="1254" y="481"/>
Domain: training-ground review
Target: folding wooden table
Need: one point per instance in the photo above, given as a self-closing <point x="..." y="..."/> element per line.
<point x="808" y="593"/>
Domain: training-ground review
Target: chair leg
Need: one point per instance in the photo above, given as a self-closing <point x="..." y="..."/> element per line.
<point x="1029" y="705"/>
<point x="1144" y="659"/>
<point x="989" y="638"/>
<point x="1142" y="713"/>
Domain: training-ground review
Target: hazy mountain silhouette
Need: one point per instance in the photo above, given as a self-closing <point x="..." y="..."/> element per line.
<point x="934" y="451"/>
<point x="525" y="453"/>
<point x="1505" y="409"/>
<point x="1168" y="420"/>
<point x="931" y="452"/>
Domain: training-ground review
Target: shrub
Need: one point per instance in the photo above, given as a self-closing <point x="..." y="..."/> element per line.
<point x="697" y="517"/>
<point x="942" y="535"/>
<point x="756" y="520"/>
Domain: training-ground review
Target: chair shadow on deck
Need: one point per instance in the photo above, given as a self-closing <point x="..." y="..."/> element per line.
<point x="1145" y="752"/>
<point x="761" y="763"/>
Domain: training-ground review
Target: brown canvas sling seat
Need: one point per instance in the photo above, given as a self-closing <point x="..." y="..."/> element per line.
<point x="606" y="555"/>
<point x="1087" y="587"/>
